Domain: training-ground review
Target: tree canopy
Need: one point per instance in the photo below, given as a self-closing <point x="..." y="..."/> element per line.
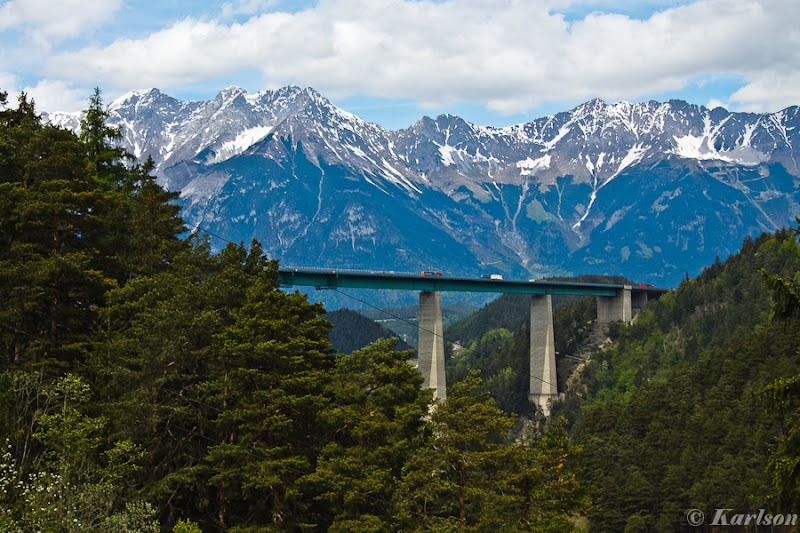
<point x="148" y="384"/>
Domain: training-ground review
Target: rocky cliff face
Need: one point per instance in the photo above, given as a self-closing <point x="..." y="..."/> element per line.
<point x="650" y="191"/>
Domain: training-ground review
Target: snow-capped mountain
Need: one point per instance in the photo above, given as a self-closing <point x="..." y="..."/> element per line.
<point x="651" y="190"/>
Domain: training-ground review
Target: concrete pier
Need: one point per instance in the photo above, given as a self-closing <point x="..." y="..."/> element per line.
<point x="614" y="308"/>
<point x="639" y="301"/>
<point x="430" y="350"/>
<point x="543" y="387"/>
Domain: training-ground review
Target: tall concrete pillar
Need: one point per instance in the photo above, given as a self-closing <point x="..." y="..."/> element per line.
<point x="614" y="308"/>
<point x="543" y="387"/>
<point x="430" y="350"/>
<point x="638" y="302"/>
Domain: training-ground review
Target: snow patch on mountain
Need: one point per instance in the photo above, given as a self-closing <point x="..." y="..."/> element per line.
<point x="529" y="167"/>
<point x="241" y="142"/>
<point x="634" y="155"/>
<point x="552" y="143"/>
<point x="701" y="148"/>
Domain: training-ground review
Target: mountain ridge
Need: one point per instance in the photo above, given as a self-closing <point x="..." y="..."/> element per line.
<point x="639" y="189"/>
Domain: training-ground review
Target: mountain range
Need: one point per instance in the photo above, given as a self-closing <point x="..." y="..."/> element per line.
<point x="652" y="191"/>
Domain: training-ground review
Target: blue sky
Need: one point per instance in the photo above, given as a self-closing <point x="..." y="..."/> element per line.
<point x="492" y="62"/>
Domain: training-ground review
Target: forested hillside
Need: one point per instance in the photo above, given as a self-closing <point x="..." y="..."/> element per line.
<point x="694" y="406"/>
<point x="352" y="331"/>
<point x="674" y="416"/>
<point x="149" y="385"/>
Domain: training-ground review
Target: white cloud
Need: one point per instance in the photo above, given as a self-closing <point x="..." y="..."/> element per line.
<point x="54" y="20"/>
<point x="769" y="91"/>
<point x="8" y="84"/>
<point x="58" y="95"/>
<point x="513" y="54"/>
<point x="715" y="103"/>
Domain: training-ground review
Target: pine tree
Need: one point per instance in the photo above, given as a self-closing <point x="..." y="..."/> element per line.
<point x="77" y="219"/>
<point x="141" y="222"/>
<point x="154" y="353"/>
<point x="49" y="277"/>
<point x="106" y="161"/>
<point x="273" y="367"/>
<point x="152" y="223"/>
<point x="546" y="486"/>
<point x="220" y="376"/>
<point x="461" y="479"/>
<point x="375" y="423"/>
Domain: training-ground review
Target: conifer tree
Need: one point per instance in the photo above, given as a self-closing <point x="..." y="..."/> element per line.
<point x="78" y="217"/>
<point x="154" y="353"/>
<point x="106" y="160"/>
<point x="220" y="376"/>
<point x="273" y="365"/>
<point x="141" y="222"/>
<point x="66" y="238"/>
<point x="375" y="423"/>
<point x="460" y="480"/>
<point x="469" y="477"/>
<point x="153" y="224"/>
<point x="50" y="280"/>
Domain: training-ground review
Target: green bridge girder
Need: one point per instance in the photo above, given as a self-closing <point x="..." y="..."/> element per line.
<point x="337" y="279"/>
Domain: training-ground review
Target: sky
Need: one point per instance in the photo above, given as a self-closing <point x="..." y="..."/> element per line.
<point x="491" y="62"/>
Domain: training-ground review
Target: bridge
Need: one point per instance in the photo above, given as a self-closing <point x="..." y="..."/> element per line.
<point x="614" y="303"/>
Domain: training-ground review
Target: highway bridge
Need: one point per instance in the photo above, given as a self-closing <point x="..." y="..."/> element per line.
<point x="614" y="303"/>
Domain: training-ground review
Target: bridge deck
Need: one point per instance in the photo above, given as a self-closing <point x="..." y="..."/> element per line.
<point x="334" y="279"/>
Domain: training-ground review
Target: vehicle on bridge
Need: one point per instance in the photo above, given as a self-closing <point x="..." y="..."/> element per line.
<point x="492" y="276"/>
<point x="431" y="273"/>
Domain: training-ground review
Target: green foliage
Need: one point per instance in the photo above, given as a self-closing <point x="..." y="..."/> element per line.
<point x="141" y="229"/>
<point x="107" y="162"/>
<point x="74" y="213"/>
<point x="249" y="424"/>
<point x="222" y="376"/>
<point x="549" y="491"/>
<point x="272" y="365"/>
<point x="49" y="278"/>
<point x="186" y="526"/>
<point x="68" y="234"/>
<point x="470" y="478"/>
<point x="504" y="359"/>
<point x="673" y="417"/>
<point x="783" y="395"/>
<point x="375" y="423"/>
<point x="69" y="486"/>
<point x="785" y="295"/>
